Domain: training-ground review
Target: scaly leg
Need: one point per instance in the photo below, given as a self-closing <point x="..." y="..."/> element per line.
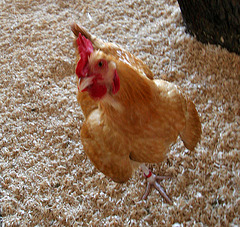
<point x="152" y="181"/>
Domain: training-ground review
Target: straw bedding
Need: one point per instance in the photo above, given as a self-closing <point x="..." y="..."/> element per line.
<point x="47" y="180"/>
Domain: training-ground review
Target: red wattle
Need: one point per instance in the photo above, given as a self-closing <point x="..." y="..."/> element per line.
<point x="97" y="91"/>
<point x="116" y="83"/>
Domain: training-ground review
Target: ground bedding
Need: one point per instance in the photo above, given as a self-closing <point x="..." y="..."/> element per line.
<point x="46" y="179"/>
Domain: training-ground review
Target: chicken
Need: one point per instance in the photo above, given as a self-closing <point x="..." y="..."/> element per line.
<point x="130" y="118"/>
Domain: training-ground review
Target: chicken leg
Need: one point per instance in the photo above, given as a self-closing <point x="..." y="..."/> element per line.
<point x="152" y="181"/>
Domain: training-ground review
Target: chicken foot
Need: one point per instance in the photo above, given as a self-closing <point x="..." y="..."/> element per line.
<point x="152" y="181"/>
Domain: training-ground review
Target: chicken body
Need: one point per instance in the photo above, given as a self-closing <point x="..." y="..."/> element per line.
<point x="137" y="130"/>
<point x="139" y="122"/>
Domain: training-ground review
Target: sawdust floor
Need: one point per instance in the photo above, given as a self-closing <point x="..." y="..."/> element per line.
<point x="46" y="179"/>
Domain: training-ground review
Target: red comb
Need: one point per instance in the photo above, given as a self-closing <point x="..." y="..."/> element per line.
<point x="85" y="48"/>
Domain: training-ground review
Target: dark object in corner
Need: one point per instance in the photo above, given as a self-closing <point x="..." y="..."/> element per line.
<point x="213" y="21"/>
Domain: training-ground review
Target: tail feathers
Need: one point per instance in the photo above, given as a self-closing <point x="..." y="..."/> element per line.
<point x="97" y="43"/>
<point x="192" y="131"/>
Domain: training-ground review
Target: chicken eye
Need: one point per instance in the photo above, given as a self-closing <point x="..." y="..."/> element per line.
<point x="100" y="64"/>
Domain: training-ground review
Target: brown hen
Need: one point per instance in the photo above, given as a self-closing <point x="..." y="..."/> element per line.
<point x="130" y="118"/>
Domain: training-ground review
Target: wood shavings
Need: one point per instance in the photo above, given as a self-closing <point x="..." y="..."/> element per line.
<point x="45" y="177"/>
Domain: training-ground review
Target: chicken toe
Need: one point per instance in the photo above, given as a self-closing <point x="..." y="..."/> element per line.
<point x="152" y="181"/>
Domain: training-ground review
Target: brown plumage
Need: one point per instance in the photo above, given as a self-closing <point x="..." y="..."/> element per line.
<point x="139" y="122"/>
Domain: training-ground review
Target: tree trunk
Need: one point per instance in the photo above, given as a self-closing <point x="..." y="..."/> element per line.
<point x="213" y="21"/>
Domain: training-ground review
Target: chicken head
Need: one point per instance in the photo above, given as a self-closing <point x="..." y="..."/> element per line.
<point x="97" y="75"/>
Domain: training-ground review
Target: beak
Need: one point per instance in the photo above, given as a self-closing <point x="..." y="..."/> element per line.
<point x="84" y="82"/>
